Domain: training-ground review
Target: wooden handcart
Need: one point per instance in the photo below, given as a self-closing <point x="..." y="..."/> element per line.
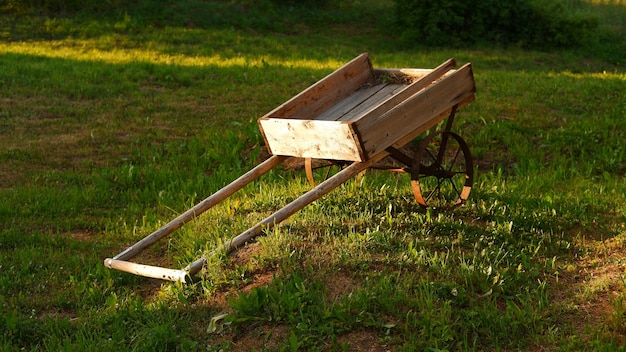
<point x="353" y="118"/>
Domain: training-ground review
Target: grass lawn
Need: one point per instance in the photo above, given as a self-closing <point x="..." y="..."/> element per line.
<point x="111" y="127"/>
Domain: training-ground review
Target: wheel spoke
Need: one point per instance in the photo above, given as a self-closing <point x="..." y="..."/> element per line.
<point x="434" y="191"/>
<point x="320" y="167"/>
<point x="456" y="155"/>
<point x="433" y="158"/>
<point x="327" y="172"/>
<point x="456" y="190"/>
<point x="318" y="171"/>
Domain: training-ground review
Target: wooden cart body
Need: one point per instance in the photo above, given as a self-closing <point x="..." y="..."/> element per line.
<point x="357" y="113"/>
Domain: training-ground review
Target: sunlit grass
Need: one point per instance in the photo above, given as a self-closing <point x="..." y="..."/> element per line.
<point x="599" y="75"/>
<point x="88" y="51"/>
<point x="607" y="2"/>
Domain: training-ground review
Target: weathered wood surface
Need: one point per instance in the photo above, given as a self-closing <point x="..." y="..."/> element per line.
<point x="154" y="272"/>
<point x="383" y="94"/>
<point x="312" y="139"/>
<point x="369" y="119"/>
<point x="374" y="116"/>
<point x="338" y="111"/>
<point x="326" y="92"/>
<point x="383" y="130"/>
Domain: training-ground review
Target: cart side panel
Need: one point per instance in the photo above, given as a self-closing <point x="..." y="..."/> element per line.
<point x="421" y="109"/>
<point x="311" y="139"/>
<point x="311" y="102"/>
<point x="374" y="115"/>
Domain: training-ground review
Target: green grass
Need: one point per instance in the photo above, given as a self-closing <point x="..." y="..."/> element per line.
<point x="109" y="128"/>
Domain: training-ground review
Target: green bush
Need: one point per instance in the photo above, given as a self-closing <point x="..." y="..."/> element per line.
<point x="525" y="22"/>
<point x="56" y="7"/>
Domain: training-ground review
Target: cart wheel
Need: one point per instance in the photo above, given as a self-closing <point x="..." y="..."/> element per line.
<point x="442" y="171"/>
<point x="318" y="170"/>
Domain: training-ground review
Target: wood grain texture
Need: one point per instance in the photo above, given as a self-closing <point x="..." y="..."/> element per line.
<point x="312" y="139"/>
<point x="333" y="88"/>
<point x="427" y="107"/>
<point x="154" y="272"/>
<point x="355" y="125"/>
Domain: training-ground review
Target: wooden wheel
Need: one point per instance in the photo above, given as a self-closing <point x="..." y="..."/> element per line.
<point x="442" y="171"/>
<point x="318" y="171"/>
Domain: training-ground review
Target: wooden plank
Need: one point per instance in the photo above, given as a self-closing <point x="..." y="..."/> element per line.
<point x="327" y="91"/>
<point x="337" y="111"/>
<point x="380" y="97"/>
<point x="456" y="88"/>
<point x="363" y="99"/>
<point x="155" y="272"/>
<point x="423" y="128"/>
<point x="372" y="116"/>
<point x="311" y="139"/>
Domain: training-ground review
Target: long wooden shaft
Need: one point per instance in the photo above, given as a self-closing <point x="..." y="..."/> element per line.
<point x="155" y="272"/>
<point x="301" y="202"/>
<point x="277" y="217"/>
<point x="200" y="208"/>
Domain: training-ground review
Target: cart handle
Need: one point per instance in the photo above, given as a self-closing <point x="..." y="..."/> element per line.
<point x="198" y="209"/>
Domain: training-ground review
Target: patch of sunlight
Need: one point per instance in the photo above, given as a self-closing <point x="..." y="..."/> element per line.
<point x="597" y="75"/>
<point x="608" y="2"/>
<point x="78" y="52"/>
